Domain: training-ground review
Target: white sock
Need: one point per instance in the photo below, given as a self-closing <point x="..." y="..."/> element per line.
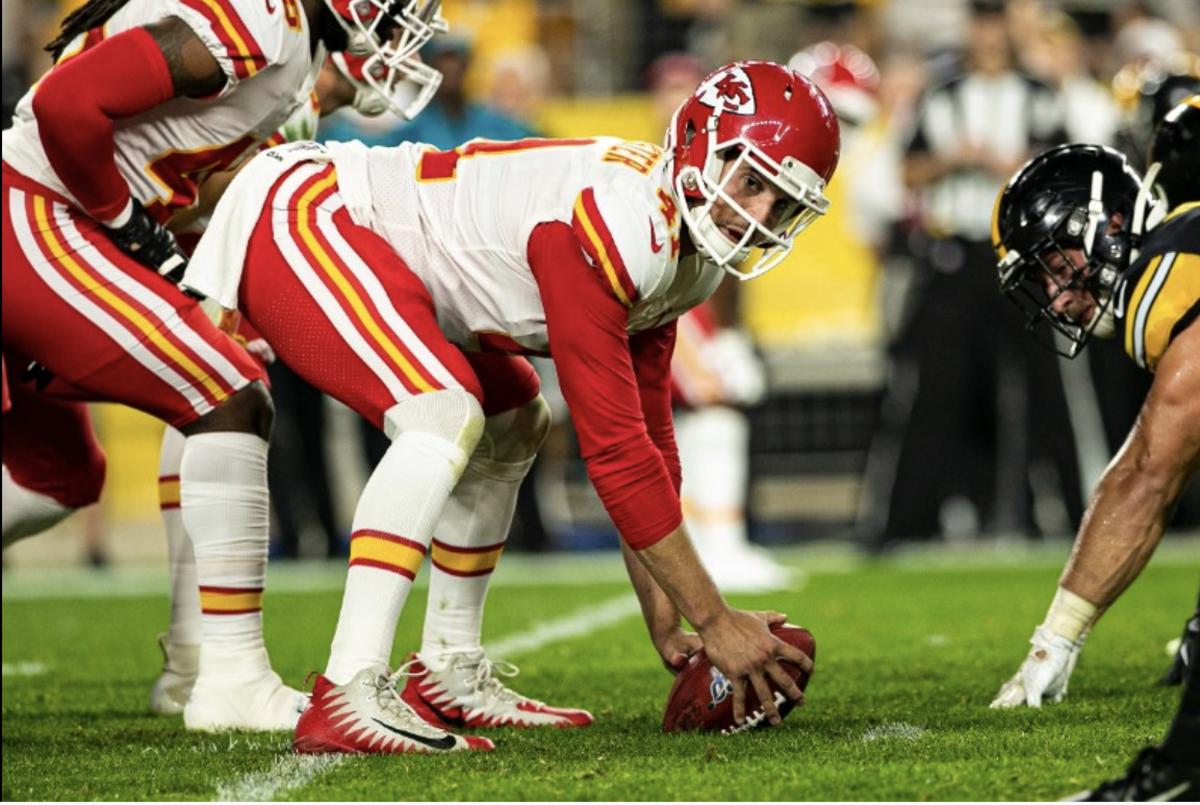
<point x="181" y="559"/>
<point x="26" y="512"/>
<point x="392" y="527"/>
<point x="225" y="508"/>
<point x="467" y="543"/>
<point x="714" y="445"/>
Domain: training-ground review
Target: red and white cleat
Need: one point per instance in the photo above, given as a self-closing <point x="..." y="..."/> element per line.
<point x="464" y="692"/>
<point x="367" y="716"/>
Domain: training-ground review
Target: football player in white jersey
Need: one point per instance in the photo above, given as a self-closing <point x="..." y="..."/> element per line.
<point x="145" y="99"/>
<point x="407" y="282"/>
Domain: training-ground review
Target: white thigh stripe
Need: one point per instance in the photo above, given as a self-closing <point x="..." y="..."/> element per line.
<point x="321" y="294"/>
<point x="119" y="332"/>
<point x="380" y="299"/>
<point x="158" y="307"/>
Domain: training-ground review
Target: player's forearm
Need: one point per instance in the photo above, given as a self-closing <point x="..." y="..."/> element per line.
<point x="658" y="610"/>
<point x="675" y="567"/>
<point x="1122" y="527"/>
<point x="76" y="104"/>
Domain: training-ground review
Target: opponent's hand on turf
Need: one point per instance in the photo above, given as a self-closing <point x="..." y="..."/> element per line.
<point x="148" y="242"/>
<point x="1043" y="675"/>
<point x="675" y="646"/>
<point x="742" y="647"/>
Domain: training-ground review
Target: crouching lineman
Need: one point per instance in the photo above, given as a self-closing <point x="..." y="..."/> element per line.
<point x="406" y="282"/>
<point x="1068" y="230"/>
<point x="345" y="80"/>
<point x="146" y="97"/>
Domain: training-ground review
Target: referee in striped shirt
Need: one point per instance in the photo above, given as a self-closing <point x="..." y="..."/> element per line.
<point x="954" y="452"/>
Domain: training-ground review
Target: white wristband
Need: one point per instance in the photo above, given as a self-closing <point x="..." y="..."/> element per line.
<point x="1069" y="615"/>
<point x="122" y="217"/>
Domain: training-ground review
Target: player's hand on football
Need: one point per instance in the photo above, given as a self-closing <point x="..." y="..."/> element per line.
<point x="1044" y="673"/>
<point x="741" y="646"/>
<point x="148" y="242"/>
<point x="675" y="646"/>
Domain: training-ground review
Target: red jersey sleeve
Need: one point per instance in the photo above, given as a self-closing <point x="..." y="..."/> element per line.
<point x="586" y="325"/>
<point x="651" y="351"/>
<point x="76" y="104"/>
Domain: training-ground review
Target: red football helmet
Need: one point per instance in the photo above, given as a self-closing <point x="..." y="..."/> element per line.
<point x="404" y="89"/>
<point x="776" y="121"/>
<point x="846" y="75"/>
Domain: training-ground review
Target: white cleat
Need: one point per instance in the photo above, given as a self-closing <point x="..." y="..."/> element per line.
<point x="181" y="662"/>
<point x="747" y="570"/>
<point x="367" y="716"/>
<point x="464" y="691"/>
<point x="263" y="703"/>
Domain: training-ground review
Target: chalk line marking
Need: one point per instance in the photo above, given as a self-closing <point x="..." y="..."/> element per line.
<point x="894" y="729"/>
<point x="292" y="771"/>
<point x="26" y="668"/>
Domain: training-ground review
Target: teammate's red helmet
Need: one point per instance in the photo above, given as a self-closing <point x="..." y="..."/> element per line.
<point x="776" y="121"/>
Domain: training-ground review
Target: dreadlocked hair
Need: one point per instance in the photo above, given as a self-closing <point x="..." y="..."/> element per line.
<point x="81" y="20"/>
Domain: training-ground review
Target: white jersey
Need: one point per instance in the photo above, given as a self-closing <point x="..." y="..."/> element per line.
<point x="462" y="219"/>
<point x="263" y="48"/>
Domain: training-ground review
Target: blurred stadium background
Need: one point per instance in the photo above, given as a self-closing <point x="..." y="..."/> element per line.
<point x="839" y="327"/>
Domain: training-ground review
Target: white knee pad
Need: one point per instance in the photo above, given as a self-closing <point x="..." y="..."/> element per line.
<point x="514" y="437"/>
<point x="451" y="419"/>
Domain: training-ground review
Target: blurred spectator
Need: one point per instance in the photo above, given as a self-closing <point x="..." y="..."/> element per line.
<point x="957" y="442"/>
<point x="1055" y="53"/>
<point x="518" y="84"/>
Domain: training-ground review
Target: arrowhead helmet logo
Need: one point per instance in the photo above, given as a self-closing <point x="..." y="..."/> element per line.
<point x="730" y="91"/>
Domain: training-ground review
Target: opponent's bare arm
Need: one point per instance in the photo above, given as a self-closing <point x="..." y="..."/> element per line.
<point x="1134" y="498"/>
<point x="194" y="69"/>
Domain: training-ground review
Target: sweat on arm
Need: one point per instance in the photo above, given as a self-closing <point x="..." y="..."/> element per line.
<point x="632" y="467"/>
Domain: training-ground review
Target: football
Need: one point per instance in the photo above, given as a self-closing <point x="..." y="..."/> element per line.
<point x="702" y="698"/>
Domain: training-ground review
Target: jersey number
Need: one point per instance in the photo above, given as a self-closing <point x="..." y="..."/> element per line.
<point x="182" y="173"/>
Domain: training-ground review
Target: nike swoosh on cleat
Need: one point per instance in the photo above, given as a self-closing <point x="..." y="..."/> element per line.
<point x="445" y="742"/>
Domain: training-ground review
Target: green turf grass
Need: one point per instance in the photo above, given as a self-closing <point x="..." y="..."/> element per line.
<point x="909" y="654"/>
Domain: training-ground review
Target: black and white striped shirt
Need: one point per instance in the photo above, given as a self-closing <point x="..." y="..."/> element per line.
<point x="1011" y="115"/>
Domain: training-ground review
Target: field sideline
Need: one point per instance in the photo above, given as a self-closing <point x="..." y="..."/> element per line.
<point x="910" y="650"/>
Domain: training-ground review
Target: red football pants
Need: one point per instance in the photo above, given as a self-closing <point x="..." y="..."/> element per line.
<point x="106" y="327"/>
<point x="341" y="308"/>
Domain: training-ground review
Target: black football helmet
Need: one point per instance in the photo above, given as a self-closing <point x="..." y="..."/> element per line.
<point x="1145" y="93"/>
<point x="1073" y="197"/>
<point x="1176" y="150"/>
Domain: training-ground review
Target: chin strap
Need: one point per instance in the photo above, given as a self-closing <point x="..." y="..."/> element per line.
<point x="1146" y="205"/>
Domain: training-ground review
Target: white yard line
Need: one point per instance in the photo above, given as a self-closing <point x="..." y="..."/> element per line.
<point x="27" y="668"/>
<point x="894" y="729"/>
<point x="291" y="771"/>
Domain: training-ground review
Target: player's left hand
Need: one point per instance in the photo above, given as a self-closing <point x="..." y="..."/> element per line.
<point x="675" y="646"/>
<point x="152" y="245"/>
<point x="1043" y="675"/>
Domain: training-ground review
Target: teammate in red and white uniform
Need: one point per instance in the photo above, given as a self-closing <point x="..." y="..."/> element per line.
<point x="146" y="98"/>
<point x="407" y="282"/>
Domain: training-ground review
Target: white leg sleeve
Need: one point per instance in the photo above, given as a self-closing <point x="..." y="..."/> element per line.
<point x="27" y="512"/>
<point x="181" y="559"/>
<point x="470" y="536"/>
<point x="225" y="506"/>
<point x="714" y="447"/>
<point x="432" y="436"/>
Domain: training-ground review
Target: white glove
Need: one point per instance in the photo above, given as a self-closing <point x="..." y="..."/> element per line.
<point x="1044" y="674"/>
